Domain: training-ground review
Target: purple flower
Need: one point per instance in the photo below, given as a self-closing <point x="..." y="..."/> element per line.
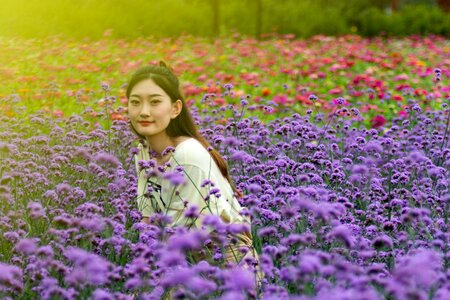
<point x="88" y="268"/>
<point x="46" y="251"/>
<point x="373" y="146"/>
<point x="382" y="241"/>
<point x="239" y="279"/>
<point x="168" y="150"/>
<point x="191" y="212"/>
<point x="420" y="268"/>
<point x="231" y="141"/>
<point x="63" y="188"/>
<point x="186" y="241"/>
<point x="289" y="274"/>
<point x="267" y="231"/>
<point x="213" y="221"/>
<point x="443" y="293"/>
<point x="10" y="278"/>
<point x="11" y="236"/>
<point x="172" y="258"/>
<point x="355" y="111"/>
<point x="105" y="87"/>
<point x="26" y="246"/>
<point x="133" y="283"/>
<point x="207" y="182"/>
<point x="228" y="86"/>
<point x="342" y="233"/>
<point x="101" y="294"/>
<point x="201" y="286"/>
<point x="235" y="228"/>
<point x="36" y="210"/>
<point x="309" y="264"/>
<point x="417" y="156"/>
<point x="234" y="295"/>
<point x="313" y="98"/>
<point x="360" y="169"/>
<point x="107" y="160"/>
<point x="177" y="276"/>
<point x="254" y="188"/>
<point x="339" y="101"/>
<point x="175" y="178"/>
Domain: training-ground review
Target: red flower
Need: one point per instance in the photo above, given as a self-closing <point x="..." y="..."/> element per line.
<point x="266" y="92"/>
<point x="378" y="121"/>
<point x="116" y="116"/>
<point x="398" y="98"/>
<point x="219" y="101"/>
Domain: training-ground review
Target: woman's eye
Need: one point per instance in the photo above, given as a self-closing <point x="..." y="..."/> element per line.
<point x="155" y="101"/>
<point x="134" y="102"/>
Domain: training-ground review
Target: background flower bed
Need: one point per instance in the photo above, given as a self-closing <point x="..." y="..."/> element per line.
<point x="377" y="75"/>
<point x="338" y="209"/>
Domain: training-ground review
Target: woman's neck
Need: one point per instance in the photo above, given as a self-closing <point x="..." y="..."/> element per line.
<point x="157" y="144"/>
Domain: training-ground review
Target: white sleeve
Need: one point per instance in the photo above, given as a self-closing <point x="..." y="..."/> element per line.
<point x="144" y="203"/>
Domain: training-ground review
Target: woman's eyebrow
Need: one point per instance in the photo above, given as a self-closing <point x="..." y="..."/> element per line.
<point x="149" y="96"/>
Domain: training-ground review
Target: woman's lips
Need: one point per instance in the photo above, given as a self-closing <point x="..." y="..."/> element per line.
<point x="146" y="123"/>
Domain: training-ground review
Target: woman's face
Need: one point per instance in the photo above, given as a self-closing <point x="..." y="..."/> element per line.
<point x="150" y="108"/>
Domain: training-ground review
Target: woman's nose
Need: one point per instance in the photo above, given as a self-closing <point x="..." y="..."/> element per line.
<point x="145" y="111"/>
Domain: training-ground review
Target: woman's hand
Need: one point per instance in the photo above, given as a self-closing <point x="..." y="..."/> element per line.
<point x="145" y="220"/>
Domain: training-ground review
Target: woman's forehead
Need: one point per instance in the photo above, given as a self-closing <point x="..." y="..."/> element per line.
<point x="147" y="88"/>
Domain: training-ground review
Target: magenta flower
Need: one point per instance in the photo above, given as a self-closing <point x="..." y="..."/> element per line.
<point x="378" y="121"/>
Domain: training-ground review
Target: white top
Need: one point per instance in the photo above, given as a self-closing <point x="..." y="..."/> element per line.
<point x="197" y="165"/>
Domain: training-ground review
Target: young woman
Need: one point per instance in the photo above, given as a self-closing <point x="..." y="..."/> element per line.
<point x="171" y="146"/>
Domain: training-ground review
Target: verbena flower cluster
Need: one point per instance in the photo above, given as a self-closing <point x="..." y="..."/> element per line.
<point x="338" y="211"/>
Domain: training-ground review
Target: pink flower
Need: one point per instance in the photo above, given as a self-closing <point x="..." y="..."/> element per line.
<point x="58" y="113"/>
<point x="403" y="113"/>
<point x="280" y="99"/>
<point x="336" y="91"/>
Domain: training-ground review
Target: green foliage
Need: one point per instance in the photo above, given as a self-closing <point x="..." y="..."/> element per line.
<point x="164" y="18"/>
<point x="418" y="19"/>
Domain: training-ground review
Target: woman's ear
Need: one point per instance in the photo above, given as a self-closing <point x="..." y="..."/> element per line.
<point x="176" y="108"/>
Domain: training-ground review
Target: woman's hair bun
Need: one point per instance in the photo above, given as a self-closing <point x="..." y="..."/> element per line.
<point x="161" y="69"/>
<point x="164" y="65"/>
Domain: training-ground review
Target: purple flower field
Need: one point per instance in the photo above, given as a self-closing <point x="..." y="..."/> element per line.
<point x="338" y="211"/>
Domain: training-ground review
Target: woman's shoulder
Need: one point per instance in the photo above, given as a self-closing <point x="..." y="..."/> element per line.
<point x="191" y="152"/>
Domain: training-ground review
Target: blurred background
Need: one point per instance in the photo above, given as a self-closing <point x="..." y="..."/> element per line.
<point x="95" y="19"/>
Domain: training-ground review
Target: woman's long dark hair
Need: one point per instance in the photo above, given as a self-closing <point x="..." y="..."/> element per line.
<point x="183" y="124"/>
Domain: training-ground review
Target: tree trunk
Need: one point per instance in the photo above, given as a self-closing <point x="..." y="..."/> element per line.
<point x="216" y="17"/>
<point x="395" y="5"/>
<point x="258" y="18"/>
